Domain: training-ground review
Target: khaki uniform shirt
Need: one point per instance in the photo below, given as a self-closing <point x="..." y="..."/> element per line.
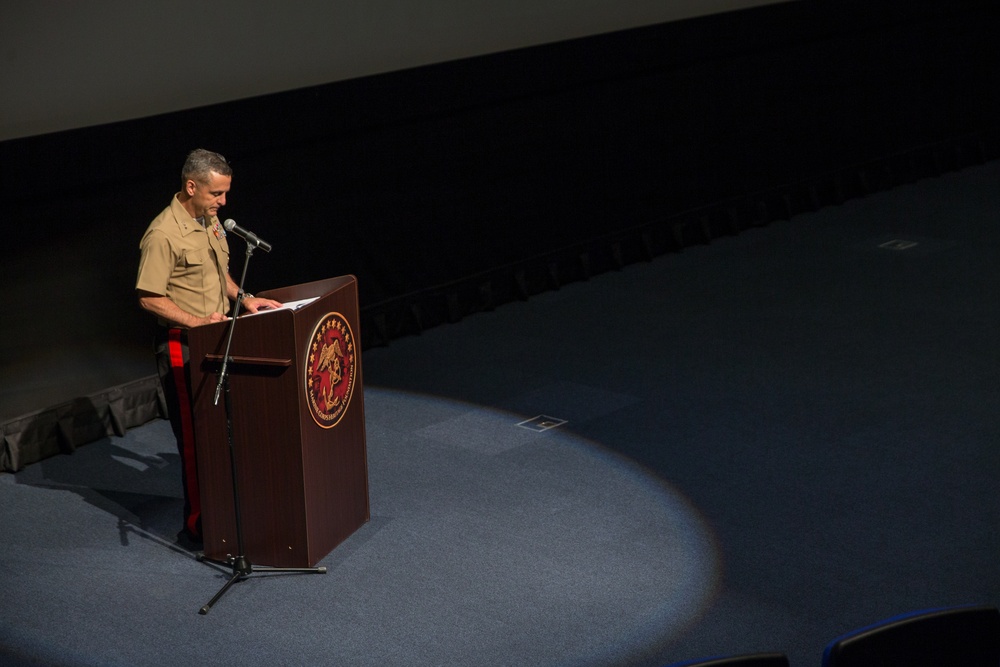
<point x="185" y="261"/>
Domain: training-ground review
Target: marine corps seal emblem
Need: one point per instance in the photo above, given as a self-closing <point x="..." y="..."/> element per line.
<point x="330" y="370"/>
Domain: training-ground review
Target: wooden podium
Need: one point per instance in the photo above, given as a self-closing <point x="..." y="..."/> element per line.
<point x="298" y="427"/>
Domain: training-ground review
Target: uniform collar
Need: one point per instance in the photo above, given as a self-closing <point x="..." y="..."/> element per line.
<point x="185" y="223"/>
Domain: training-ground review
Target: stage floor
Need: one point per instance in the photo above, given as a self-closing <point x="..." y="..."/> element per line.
<point x="767" y="441"/>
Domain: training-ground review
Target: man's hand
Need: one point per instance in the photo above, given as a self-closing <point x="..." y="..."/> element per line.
<point x="254" y="303"/>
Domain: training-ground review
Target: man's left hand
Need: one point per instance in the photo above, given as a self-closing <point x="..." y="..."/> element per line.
<point x="252" y="304"/>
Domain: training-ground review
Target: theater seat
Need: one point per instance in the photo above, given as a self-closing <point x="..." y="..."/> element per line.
<point x="746" y="660"/>
<point x="966" y="636"/>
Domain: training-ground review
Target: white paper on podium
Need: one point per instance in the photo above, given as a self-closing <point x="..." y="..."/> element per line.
<point x="290" y="305"/>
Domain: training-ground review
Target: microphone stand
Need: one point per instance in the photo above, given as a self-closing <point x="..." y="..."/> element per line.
<point x="242" y="568"/>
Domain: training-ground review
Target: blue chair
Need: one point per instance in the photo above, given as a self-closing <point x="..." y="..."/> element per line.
<point x="966" y="636"/>
<point x="746" y="660"/>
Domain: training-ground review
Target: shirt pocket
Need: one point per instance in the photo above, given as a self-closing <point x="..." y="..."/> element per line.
<point x="195" y="258"/>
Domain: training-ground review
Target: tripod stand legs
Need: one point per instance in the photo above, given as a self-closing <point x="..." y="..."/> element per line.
<point x="242" y="569"/>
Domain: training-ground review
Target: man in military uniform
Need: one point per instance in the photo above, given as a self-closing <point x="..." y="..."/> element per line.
<point x="184" y="281"/>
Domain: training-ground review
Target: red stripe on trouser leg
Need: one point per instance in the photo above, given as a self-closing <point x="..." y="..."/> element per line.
<point x="187" y="432"/>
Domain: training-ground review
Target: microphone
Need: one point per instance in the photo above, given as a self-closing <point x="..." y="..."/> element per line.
<point x="247" y="235"/>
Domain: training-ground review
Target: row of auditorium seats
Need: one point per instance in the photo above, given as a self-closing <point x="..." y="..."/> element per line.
<point x="965" y="636"/>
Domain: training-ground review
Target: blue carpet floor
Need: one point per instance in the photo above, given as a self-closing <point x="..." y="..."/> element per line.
<point x="768" y="441"/>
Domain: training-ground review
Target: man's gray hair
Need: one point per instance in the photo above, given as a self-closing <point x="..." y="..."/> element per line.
<point x="201" y="163"/>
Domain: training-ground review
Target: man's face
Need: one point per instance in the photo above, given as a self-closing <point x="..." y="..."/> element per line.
<point x="208" y="198"/>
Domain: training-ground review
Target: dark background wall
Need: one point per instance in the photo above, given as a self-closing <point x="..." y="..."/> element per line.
<point x="453" y="187"/>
